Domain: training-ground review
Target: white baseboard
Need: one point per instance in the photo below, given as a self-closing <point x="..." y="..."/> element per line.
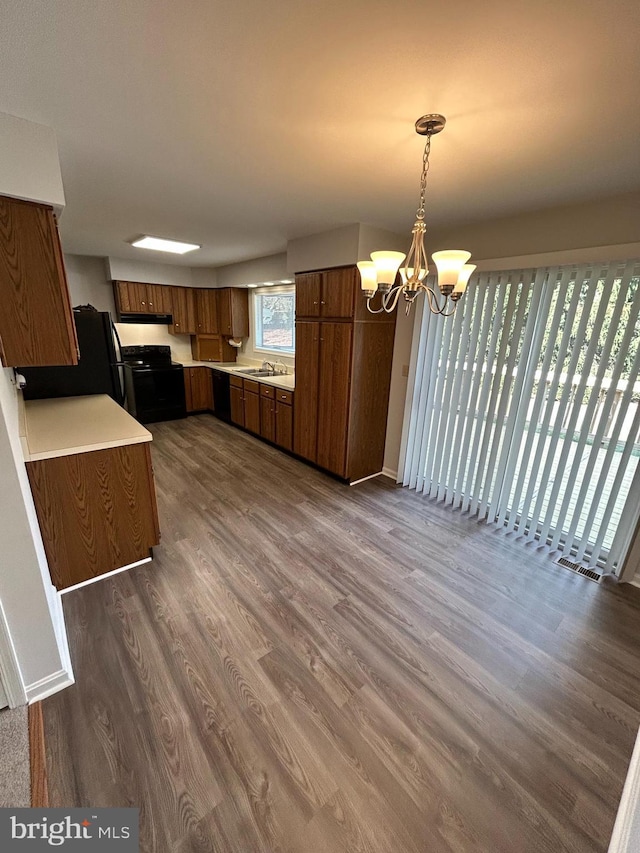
<point x="363" y="479"/>
<point x="392" y="475"/>
<point x="626" y="832"/>
<point x="49" y="685"/>
<point x="636" y="580"/>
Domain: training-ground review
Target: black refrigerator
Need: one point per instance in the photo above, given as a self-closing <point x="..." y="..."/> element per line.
<point x="97" y="371"/>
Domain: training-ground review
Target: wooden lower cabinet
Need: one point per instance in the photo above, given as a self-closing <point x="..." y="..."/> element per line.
<point x="343" y="375"/>
<point x="268" y="418"/>
<point x="252" y="410"/>
<point x="276" y="416"/>
<point x="97" y="511"/>
<point x="198" y="388"/>
<point x="236" y="396"/>
<point x="284" y="425"/>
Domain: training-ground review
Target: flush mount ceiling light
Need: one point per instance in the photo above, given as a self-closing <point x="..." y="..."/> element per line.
<point x="379" y="274"/>
<point x="159" y="244"/>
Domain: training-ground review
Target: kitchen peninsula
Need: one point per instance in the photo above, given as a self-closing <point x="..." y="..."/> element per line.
<point x="90" y="471"/>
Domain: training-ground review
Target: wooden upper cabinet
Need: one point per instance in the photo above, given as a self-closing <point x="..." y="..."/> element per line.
<point x="206" y="311"/>
<point x="160" y="298"/>
<point x="338" y="292"/>
<point x="183" y="311"/>
<point x="308" y="286"/>
<point x="327" y="295"/>
<point x="131" y="297"/>
<point x="233" y="312"/>
<point x="36" y="321"/>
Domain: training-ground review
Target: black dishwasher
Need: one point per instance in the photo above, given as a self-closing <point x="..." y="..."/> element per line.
<point x="221" y="395"/>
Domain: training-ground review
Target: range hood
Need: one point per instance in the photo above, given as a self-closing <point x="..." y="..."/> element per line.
<point x="158" y="319"/>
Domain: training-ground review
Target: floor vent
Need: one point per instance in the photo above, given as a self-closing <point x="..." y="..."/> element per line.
<point x="580" y="570"/>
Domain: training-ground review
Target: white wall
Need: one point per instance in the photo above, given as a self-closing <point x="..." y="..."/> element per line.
<point x="29" y="165"/>
<point x="156" y="272"/>
<point x="88" y="282"/>
<point x="30" y="602"/>
<point x="269" y="268"/>
<point x="335" y="248"/>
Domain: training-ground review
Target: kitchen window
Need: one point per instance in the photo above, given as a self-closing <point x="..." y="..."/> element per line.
<point x="275" y="314"/>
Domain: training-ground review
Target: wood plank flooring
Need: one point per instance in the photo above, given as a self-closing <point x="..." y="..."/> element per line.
<point x="312" y="668"/>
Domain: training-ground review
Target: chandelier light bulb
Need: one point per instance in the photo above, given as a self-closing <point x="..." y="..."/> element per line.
<point x="449" y="263"/>
<point x="463" y="278"/>
<point x="386" y="264"/>
<point x="368" y="276"/>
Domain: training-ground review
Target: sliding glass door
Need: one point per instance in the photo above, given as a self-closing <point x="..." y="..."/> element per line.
<point x="526" y="408"/>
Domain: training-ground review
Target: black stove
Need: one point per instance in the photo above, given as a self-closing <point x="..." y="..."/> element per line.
<point x="154" y="383"/>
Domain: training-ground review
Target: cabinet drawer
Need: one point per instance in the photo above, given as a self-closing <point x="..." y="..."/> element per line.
<point x="235" y="381"/>
<point x="268" y="391"/>
<point x="251" y="385"/>
<point x="284" y="396"/>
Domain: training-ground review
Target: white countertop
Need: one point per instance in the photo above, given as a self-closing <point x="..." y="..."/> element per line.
<point x="283" y="380"/>
<point x="66" y="425"/>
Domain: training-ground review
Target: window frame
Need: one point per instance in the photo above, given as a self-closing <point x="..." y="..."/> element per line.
<point x="286" y="290"/>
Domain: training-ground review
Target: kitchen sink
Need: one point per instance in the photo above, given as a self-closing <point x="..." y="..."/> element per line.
<point x="257" y="371"/>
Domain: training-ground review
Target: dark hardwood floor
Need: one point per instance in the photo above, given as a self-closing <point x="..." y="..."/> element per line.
<point x="313" y="668"/>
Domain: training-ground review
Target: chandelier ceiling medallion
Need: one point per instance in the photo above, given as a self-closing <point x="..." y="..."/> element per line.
<point x="379" y="274"/>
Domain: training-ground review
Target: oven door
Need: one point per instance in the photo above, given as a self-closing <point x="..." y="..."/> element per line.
<point x="156" y="393"/>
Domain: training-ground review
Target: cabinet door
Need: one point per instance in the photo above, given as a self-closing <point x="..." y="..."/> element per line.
<point x="206" y="311"/>
<point x="252" y="411"/>
<point x="268" y="418"/>
<point x="199" y="389"/>
<point x="333" y="396"/>
<point x="188" y="392"/>
<point x="306" y="412"/>
<point x="132" y="297"/>
<point x="237" y="405"/>
<point x="338" y="292"/>
<point x="159" y="299"/>
<point x="233" y="312"/>
<point x="184" y="311"/>
<point x="36" y="322"/>
<point x="284" y="425"/>
<point x="308" y="288"/>
<point x="97" y="511"/>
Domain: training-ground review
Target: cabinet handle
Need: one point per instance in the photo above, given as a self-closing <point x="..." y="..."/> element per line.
<point x="322" y="302"/>
<point x="176" y="325"/>
<point x="315" y="303"/>
<point x="144" y="303"/>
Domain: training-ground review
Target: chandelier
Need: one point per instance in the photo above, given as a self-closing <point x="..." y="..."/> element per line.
<point x="379" y="274"/>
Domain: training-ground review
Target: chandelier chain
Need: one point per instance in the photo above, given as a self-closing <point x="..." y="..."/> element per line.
<point x="423" y="176"/>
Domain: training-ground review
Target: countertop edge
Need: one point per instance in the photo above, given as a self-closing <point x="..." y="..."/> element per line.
<point x="284" y="381"/>
<point x="84" y="448"/>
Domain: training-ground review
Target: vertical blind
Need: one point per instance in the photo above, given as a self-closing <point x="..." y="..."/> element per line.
<point x="525" y="407"/>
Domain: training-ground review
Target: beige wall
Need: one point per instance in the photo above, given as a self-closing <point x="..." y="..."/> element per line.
<point x="604" y="222"/>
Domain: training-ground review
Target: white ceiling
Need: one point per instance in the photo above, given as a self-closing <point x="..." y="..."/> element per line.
<point x="240" y="125"/>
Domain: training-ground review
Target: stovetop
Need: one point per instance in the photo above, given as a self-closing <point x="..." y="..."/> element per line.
<point x="148" y="356"/>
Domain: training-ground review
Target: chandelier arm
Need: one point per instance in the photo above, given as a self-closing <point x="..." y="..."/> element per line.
<point x="391" y="298"/>
<point x="373" y="310"/>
